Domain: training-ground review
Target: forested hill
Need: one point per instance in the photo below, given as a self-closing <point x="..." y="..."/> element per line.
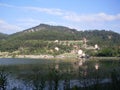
<point x="101" y="37"/>
<point x="37" y="39"/>
<point x="46" y="32"/>
<point x="3" y="36"/>
<point x="49" y="32"/>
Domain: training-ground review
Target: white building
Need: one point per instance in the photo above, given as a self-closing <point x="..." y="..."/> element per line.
<point x="80" y="52"/>
<point x="56" y="48"/>
<point x="96" y="47"/>
<point x="56" y="41"/>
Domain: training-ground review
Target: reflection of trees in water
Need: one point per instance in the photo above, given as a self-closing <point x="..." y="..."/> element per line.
<point x="79" y="64"/>
<point x="86" y="74"/>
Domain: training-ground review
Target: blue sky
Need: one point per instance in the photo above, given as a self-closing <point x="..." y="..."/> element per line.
<point x="17" y="15"/>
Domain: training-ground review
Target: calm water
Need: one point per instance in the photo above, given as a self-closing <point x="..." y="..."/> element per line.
<point x="23" y="70"/>
<point x="18" y="66"/>
<point x="17" y="61"/>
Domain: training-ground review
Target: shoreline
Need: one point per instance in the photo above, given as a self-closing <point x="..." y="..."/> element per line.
<point x="74" y="56"/>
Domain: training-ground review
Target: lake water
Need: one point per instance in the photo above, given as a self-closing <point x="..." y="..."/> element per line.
<point x="17" y="61"/>
<point x="22" y="72"/>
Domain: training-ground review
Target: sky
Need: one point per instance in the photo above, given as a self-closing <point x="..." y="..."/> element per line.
<point x="18" y="15"/>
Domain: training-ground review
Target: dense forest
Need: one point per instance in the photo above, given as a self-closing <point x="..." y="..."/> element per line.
<point x="40" y="40"/>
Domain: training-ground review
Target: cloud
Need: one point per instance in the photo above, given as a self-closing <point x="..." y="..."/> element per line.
<point x="72" y="16"/>
<point x="99" y="17"/>
<point x="51" y="11"/>
<point x="7" y="5"/>
<point x="8" y="28"/>
<point x="86" y="21"/>
<point x="68" y="15"/>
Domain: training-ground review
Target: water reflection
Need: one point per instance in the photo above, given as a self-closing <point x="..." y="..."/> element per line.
<point x="57" y="62"/>
<point x="83" y="63"/>
<point x="80" y="62"/>
<point x="86" y="68"/>
<point x="81" y="68"/>
<point x="57" y="66"/>
<point x="96" y="66"/>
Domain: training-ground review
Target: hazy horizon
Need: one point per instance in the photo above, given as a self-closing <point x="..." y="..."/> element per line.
<point x="59" y="25"/>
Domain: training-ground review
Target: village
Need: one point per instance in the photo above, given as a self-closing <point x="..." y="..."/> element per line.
<point x="78" y="49"/>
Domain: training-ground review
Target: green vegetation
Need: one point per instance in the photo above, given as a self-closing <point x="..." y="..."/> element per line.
<point x="3" y="36"/>
<point x="40" y="40"/>
<point x="109" y="51"/>
<point x="58" y="40"/>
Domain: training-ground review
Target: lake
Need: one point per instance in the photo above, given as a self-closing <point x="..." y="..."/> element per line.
<point x="23" y="74"/>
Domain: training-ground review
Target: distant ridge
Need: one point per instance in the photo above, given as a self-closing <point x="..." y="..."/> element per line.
<point x="51" y="32"/>
<point x="46" y="32"/>
<point x="47" y="27"/>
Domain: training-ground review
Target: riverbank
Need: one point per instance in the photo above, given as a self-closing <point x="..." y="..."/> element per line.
<point x="43" y="56"/>
<point x="62" y="56"/>
<point x="105" y="58"/>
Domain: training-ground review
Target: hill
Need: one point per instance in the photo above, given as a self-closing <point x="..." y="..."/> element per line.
<point x="46" y="32"/>
<point x="49" y="32"/>
<point x="3" y="36"/>
<point x="101" y="37"/>
<point x="40" y="40"/>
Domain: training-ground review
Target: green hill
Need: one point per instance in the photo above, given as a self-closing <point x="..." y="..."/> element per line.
<point x="3" y="36"/>
<point x="101" y="37"/>
<point x="40" y="40"/>
<point x="46" y="32"/>
<point x="49" y="32"/>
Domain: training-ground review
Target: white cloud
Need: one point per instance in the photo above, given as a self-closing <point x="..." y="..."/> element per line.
<point x="8" y="28"/>
<point x="92" y="20"/>
<point x="7" y="5"/>
<point x="99" y="17"/>
<point x="51" y="11"/>
<point x="68" y="15"/>
<point x="72" y="16"/>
